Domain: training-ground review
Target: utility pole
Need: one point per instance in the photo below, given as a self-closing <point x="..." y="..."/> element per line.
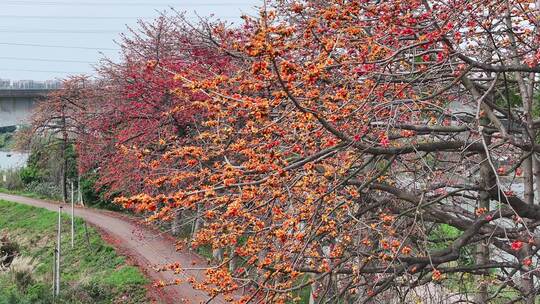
<point x="72" y="216"/>
<point x="81" y="202"/>
<point x="79" y="190"/>
<point x="54" y="273"/>
<point x="58" y="251"/>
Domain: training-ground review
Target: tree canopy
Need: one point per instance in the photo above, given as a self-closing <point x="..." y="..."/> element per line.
<point x="364" y="150"/>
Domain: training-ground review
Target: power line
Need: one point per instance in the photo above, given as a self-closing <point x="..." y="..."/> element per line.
<point x="41" y="71"/>
<point x="172" y="4"/>
<point x="73" y="17"/>
<point x="97" y="17"/>
<point x="44" y="59"/>
<point x="58" y="46"/>
<point x="57" y="31"/>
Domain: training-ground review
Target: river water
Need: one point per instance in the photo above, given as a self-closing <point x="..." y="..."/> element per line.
<point x="12" y="160"/>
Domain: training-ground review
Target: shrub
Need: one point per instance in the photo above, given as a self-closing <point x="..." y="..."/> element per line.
<point x="44" y="189"/>
<point x="6" y="140"/>
<point x="39" y="293"/>
<point x="30" y="174"/>
<point x="8" y="251"/>
<point x="22" y="271"/>
<point x="91" y="292"/>
<point x="97" y="291"/>
<point x="95" y="197"/>
<point x="12" y="180"/>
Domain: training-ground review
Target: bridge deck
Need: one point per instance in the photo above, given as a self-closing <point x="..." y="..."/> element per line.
<point x="29" y="93"/>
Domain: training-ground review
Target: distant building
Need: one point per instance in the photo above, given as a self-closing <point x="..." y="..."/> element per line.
<point x="51" y="84"/>
<point x="6" y="84"/>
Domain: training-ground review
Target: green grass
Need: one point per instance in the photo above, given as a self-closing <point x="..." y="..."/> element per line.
<point x="92" y="272"/>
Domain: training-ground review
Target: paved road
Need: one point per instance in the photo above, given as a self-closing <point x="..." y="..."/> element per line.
<point x="144" y="245"/>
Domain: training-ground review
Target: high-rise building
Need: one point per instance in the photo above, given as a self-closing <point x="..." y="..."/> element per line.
<point x="5" y="83"/>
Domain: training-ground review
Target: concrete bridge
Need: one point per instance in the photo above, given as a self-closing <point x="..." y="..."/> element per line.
<point x="16" y="105"/>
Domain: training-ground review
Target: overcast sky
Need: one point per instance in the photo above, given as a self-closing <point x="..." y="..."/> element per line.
<point x="47" y="39"/>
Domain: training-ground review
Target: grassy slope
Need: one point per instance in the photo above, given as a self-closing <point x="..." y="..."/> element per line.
<point x="92" y="273"/>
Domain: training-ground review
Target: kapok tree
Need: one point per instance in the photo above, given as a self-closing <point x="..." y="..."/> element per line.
<point x="138" y="108"/>
<point x="141" y="109"/>
<point x="370" y="151"/>
<point x="59" y="119"/>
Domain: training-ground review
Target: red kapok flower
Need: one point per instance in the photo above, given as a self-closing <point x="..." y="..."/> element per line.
<point x="480" y="211"/>
<point x="527" y="262"/>
<point x="406" y="250"/>
<point x="384" y="141"/>
<point x="516" y="245"/>
<point x="437" y="275"/>
<point x="440" y="57"/>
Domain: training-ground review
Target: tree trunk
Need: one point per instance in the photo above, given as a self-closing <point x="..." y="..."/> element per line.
<point x="526" y="90"/>
<point x="197" y="222"/>
<point x="232" y="262"/>
<point x="217" y="255"/>
<point x="314" y="291"/>
<point x="482" y="249"/>
<point x="527" y="283"/>
<point x="536" y="176"/>
<point x="175" y="225"/>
